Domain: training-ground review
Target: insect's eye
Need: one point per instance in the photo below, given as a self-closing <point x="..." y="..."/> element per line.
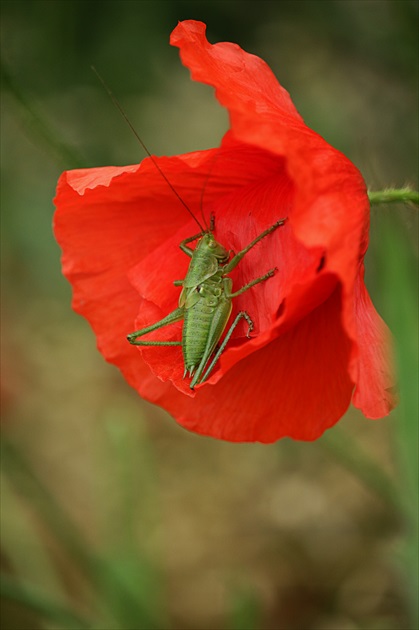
<point x="212" y="244"/>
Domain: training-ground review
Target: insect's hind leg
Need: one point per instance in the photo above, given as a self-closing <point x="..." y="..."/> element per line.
<point x="239" y="316"/>
<point x="174" y="316"/>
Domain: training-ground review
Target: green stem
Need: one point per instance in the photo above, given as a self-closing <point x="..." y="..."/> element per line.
<point x="394" y="195"/>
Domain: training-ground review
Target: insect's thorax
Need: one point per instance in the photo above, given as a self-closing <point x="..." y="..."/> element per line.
<point x="206" y="260"/>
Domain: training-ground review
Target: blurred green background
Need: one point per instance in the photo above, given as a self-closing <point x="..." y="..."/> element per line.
<point x="112" y="516"/>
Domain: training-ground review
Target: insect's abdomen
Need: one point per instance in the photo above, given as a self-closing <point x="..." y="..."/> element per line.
<point x="203" y="326"/>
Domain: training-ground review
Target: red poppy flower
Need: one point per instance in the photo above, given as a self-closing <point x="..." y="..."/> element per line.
<point x="318" y="342"/>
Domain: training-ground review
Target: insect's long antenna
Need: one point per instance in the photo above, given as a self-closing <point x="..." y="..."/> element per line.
<point x="125" y="117"/>
<point x="207" y="178"/>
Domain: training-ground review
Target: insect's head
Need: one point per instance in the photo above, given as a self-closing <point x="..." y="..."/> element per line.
<point x="209" y="243"/>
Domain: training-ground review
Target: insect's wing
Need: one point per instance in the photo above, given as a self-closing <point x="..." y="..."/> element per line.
<point x="218" y="324"/>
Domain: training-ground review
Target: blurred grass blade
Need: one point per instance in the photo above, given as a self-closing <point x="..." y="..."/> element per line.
<point x="37" y="126"/>
<point x="350" y="455"/>
<point x="245" y="610"/>
<point x="27" y="484"/>
<point x="127" y="548"/>
<point x="31" y="598"/>
<point x="400" y="269"/>
<point x="24" y="546"/>
<point x="97" y="568"/>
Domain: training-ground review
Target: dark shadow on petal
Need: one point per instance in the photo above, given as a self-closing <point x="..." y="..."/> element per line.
<point x="321" y="264"/>
<point x="281" y="309"/>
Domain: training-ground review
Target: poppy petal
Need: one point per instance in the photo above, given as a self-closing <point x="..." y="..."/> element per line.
<point x="317" y="336"/>
<point x="374" y="374"/>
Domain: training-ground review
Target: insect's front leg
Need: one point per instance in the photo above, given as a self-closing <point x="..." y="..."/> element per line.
<point x="183" y="244"/>
<point x="174" y="316"/>
<point x="237" y="258"/>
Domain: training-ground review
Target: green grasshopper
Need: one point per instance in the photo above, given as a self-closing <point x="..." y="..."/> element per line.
<point x="205" y="303"/>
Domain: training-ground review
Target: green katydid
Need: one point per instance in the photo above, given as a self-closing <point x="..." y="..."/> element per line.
<point x="205" y="302"/>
